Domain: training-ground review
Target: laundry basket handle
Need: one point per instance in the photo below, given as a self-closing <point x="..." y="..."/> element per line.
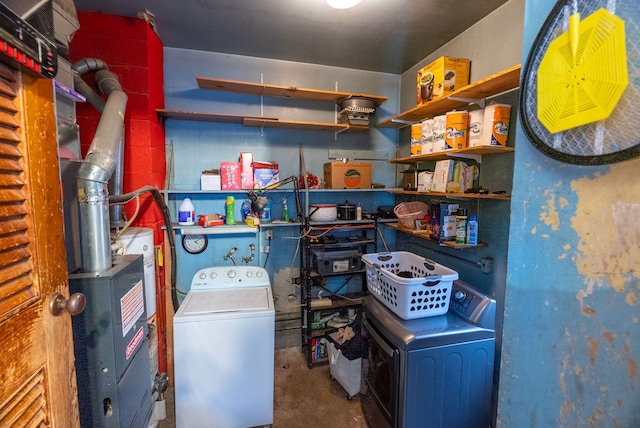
<point x="432" y="283"/>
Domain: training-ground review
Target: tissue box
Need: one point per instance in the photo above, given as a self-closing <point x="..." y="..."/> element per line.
<point x="350" y="175"/>
<point x="265" y="174"/>
<point x="441" y="77"/>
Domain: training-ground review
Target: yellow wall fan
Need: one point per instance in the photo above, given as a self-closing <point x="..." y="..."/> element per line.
<point x="579" y="95"/>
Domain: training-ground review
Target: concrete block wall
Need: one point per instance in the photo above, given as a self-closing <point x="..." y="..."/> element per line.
<point x="133" y="51"/>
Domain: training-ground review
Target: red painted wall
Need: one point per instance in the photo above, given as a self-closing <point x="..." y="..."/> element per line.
<point x="133" y="51"/>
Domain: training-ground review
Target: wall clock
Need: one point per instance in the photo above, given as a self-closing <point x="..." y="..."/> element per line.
<point x="195" y="244"/>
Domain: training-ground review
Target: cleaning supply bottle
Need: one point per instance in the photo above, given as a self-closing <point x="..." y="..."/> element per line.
<point x="285" y="210"/>
<point x="229" y="211"/>
<point x="461" y="226"/>
<point x="186" y="213"/>
<point x="472" y="230"/>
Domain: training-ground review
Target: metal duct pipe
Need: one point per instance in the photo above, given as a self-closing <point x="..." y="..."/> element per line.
<point x="116" y="181"/>
<point x="98" y="166"/>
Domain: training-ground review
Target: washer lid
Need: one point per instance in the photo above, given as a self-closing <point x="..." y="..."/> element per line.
<point x="226" y="300"/>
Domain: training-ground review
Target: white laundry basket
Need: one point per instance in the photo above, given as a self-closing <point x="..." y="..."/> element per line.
<point x="409" y="285"/>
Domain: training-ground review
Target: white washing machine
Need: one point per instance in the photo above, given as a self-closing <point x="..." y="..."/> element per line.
<point x="224" y="333"/>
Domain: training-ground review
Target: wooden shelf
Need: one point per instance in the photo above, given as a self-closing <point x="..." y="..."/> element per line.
<point x="280" y="91"/>
<point x="422" y="234"/>
<point x="294" y="124"/>
<point x="492" y="85"/>
<point x="258" y="121"/>
<point x="270" y="121"/>
<point x="208" y="117"/>
<point x="469" y="151"/>
<point x="500" y="196"/>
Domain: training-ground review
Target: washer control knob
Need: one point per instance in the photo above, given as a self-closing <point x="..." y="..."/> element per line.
<point x="202" y="275"/>
<point x="231" y="273"/>
<point x="259" y="274"/>
<point x="459" y="295"/>
<point x="213" y="274"/>
<point x="249" y="274"/>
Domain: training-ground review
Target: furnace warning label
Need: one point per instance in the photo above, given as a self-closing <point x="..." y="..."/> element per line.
<point x="137" y="338"/>
<point x="131" y="307"/>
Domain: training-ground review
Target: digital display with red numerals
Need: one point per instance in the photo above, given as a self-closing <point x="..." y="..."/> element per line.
<point x="29" y="42"/>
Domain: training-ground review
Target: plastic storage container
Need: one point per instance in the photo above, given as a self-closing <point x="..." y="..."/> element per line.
<point x="328" y="262"/>
<point x="409" y="285"/>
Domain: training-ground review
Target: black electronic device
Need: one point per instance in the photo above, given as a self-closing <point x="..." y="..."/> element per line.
<point x="386" y="211"/>
<point x="27" y="36"/>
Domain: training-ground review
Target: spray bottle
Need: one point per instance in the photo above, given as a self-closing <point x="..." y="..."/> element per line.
<point x="472" y="230"/>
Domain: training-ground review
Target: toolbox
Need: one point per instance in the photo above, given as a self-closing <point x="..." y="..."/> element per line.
<point x="328" y="262"/>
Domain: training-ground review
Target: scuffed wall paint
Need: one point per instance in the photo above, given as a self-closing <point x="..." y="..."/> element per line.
<point x="285" y="294"/>
<point x="571" y="337"/>
<point x="609" y="257"/>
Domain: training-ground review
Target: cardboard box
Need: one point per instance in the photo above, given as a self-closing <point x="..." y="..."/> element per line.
<point x="265" y="174"/>
<point x="246" y="170"/>
<point x="448" y="221"/>
<point x="442" y="175"/>
<point x="230" y="176"/>
<point x="350" y="175"/>
<point x="425" y="181"/>
<point x="210" y="181"/>
<point x="441" y="77"/>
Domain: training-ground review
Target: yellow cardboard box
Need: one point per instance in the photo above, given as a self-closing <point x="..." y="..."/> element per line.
<point x="350" y="175"/>
<point x="441" y="77"/>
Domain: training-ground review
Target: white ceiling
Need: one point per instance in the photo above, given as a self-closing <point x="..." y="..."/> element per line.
<point x="378" y="35"/>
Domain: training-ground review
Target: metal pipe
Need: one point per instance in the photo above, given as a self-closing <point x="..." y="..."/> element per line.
<point x="246" y="260"/>
<point x="98" y="167"/>
<point x="229" y="255"/>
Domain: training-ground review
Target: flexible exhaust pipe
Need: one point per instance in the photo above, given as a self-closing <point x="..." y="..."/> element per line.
<point x="99" y="164"/>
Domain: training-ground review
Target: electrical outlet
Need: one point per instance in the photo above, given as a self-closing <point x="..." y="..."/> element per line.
<point x="486" y="265"/>
<point x="265" y="249"/>
<point x="268" y="234"/>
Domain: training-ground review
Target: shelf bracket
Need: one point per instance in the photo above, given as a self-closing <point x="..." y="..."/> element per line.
<point x="479" y="102"/>
<point x="340" y="131"/>
<point x="477" y="158"/>
<point x="405" y="122"/>
<point x="336" y="154"/>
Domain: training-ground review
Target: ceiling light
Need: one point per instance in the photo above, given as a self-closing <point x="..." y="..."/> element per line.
<point x="342" y="4"/>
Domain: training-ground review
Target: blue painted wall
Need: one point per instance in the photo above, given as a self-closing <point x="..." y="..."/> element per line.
<point x="196" y="146"/>
<point x="571" y="328"/>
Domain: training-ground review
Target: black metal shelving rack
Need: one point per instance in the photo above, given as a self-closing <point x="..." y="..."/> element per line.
<point x="356" y="234"/>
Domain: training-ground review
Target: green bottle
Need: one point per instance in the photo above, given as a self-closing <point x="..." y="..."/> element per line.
<point x="285" y="210"/>
<point x="229" y="204"/>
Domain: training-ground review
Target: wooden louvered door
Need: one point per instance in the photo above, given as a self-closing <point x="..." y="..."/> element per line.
<point x="37" y="374"/>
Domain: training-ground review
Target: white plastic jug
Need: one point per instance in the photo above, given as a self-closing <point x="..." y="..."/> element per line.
<point x="186" y="213"/>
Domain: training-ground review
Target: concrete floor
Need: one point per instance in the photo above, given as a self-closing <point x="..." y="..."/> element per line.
<point x="303" y="397"/>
